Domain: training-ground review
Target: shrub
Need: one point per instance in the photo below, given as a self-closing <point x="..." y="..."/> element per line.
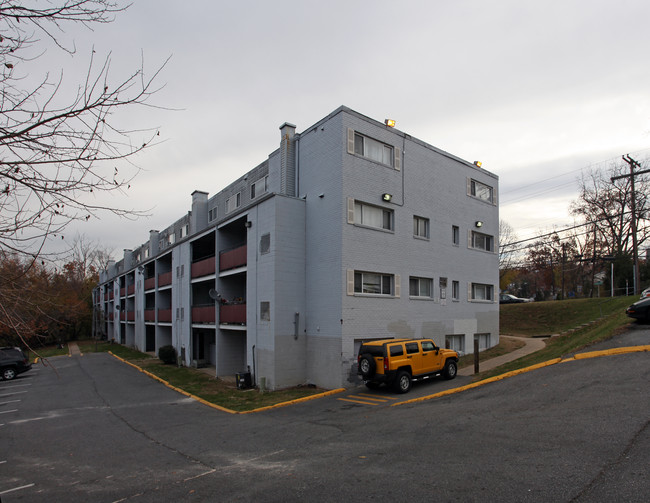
<point x="167" y="354"/>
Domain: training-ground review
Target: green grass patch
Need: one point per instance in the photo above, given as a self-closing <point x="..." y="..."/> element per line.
<point x="47" y="352"/>
<point x="564" y="345"/>
<point x="198" y="383"/>
<point x="554" y="317"/>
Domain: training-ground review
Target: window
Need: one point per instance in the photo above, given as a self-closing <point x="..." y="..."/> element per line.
<point x="373" y="283"/>
<point x="483" y="341"/>
<point x="481" y="241"/>
<point x="372" y="149"/>
<point x="185" y="229"/>
<point x="420" y="287"/>
<point x="481" y="191"/>
<point x="443" y="288"/>
<point x="427" y="346"/>
<point x="397" y="350"/>
<point x="412" y="348"/>
<point x="480" y="291"/>
<point x="265" y="243"/>
<point x="171" y="239"/>
<point x="455" y="342"/>
<point x="212" y="214"/>
<point x="455" y="290"/>
<point x="373" y="216"/>
<point x="265" y="311"/>
<point x="233" y="202"/>
<point x="259" y="187"/>
<point x="455" y="235"/>
<point x="421" y="227"/>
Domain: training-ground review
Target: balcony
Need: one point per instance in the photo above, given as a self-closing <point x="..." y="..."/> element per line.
<point x="232" y="314"/>
<point x="149" y="315"/>
<point x="204" y="314"/>
<point x="130" y="315"/>
<point x="165" y="315"/>
<point x="150" y="283"/>
<point x="232" y="259"/>
<point x="203" y="267"/>
<point x="164" y="279"/>
<point x="122" y="292"/>
<point x="131" y="290"/>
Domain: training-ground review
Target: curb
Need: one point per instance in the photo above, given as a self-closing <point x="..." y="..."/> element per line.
<point x="224" y="409"/>
<point x="512" y="373"/>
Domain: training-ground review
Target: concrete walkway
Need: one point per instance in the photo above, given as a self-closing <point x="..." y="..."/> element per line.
<point x="73" y="349"/>
<point x="531" y="345"/>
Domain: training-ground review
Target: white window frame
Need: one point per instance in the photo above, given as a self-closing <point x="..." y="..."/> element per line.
<point x="421" y="227"/>
<point x="480" y="292"/>
<point x="372" y="284"/>
<point x="455" y="290"/>
<point x="421" y="284"/>
<point x="483" y="341"/>
<point x="233" y="202"/>
<point x="481" y="241"/>
<point x="185" y="230"/>
<point x="259" y="187"/>
<point x="357" y="211"/>
<point x="212" y="214"/>
<point x="455" y="342"/>
<point x="481" y="191"/>
<point x="364" y="146"/>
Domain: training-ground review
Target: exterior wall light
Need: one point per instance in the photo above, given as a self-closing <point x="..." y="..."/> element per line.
<point x="478" y="223"/>
<point x="248" y="224"/>
<point x="387" y="197"/>
<point x="390" y="122"/>
<point x="478" y="164"/>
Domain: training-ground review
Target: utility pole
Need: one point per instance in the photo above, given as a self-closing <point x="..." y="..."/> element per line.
<point x="635" y="251"/>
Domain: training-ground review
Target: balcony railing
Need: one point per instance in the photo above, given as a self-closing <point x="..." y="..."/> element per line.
<point x="122" y="292"/>
<point x="149" y="315"/>
<point x="232" y="258"/>
<point x="150" y="283"/>
<point x="203" y="314"/>
<point x="130" y="315"/>
<point x="203" y="267"/>
<point x="232" y="314"/>
<point x="164" y="279"/>
<point x="165" y="315"/>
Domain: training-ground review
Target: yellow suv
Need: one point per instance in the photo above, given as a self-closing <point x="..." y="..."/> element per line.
<point x="398" y="362"/>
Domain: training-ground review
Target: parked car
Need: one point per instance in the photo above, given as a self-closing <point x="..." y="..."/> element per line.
<point x="398" y="362"/>
<point x="645" y="293"/>
<point x="640" y="309"/>
<point x="13" y="361"/>
<point x="506" y="298"/>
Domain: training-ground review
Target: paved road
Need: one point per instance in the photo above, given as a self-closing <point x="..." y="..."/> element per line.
<point x="98" y="430"/>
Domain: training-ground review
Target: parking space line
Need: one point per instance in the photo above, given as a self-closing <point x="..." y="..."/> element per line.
<point x="372" y="399"/>
<point x="9" y="401"/>
<point x="378" y="397"/>
<point x="12" y="394"/>
<point x="16" y="386"/>
<point x="8" y="411"/>
<point x="16" y="489"/>
<point x="357" y="401"/>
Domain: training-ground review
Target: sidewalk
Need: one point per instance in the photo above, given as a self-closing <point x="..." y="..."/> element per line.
<point x="531" y="345"/>
<point x="73" y="349"/>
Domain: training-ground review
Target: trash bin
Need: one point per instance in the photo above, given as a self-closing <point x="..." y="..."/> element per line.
<point x="243" y="380"/>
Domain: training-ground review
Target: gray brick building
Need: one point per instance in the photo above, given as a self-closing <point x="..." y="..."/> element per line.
<point x="351" y="230"/>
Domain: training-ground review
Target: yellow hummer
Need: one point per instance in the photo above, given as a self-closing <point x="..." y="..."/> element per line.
<point x="399" y="362"/>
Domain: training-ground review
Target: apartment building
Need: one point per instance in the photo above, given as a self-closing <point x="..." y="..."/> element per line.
<point x="351" y="230"/>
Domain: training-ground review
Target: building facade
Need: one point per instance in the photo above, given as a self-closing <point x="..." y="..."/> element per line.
<point x="349" y="231"/>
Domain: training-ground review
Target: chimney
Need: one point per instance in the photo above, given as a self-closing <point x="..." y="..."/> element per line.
<point x="199" y="215"/>
<point x="287" y="159"/>
<point x="128" y="259"/>
<point x="154" y="243"/>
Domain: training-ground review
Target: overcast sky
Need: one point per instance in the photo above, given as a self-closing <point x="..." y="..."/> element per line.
<point x="537" y="91"/>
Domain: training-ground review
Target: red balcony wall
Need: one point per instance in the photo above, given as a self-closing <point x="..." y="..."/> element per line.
<point x="150" y="283"/>
<point x="165" y="279"/>
<point x="233" y="258"/>
<point x="203" y="314"/>
<point x="203" y="267"/>
<point x="232" y="313"/>
<point x="149" y="315"/>
<point x="165" y="315"/>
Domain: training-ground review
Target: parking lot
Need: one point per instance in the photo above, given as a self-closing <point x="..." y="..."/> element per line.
<point x="94" y="429"/>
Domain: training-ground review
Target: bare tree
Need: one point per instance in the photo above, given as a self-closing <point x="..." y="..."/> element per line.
<point x="508" y="256"/>
<point x="606" y="205"/>
<point x="59" y="149"/>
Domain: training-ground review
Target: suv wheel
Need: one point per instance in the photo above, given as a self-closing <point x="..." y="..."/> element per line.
<point x="403" y="382"/>
<point x="8" y="374"/>
<point x="367" y="365"/>
<point x="451" y="369"/>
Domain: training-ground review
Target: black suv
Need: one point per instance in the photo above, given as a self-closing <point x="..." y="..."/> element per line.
<point x="13" y="362"/>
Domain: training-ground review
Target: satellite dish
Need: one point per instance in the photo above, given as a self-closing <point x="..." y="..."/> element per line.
<point x="214" y="295"/>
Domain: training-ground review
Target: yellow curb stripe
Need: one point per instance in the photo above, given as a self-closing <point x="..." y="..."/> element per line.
<point x="371" y="399"/>
<point x="219" y="407"/>
<point x="611" y="352"/>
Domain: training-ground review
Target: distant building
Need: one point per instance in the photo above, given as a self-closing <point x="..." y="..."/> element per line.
<point x="350" y="231"/>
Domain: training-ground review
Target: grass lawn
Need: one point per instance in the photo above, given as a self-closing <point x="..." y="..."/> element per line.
<point x="553" y="317"/>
